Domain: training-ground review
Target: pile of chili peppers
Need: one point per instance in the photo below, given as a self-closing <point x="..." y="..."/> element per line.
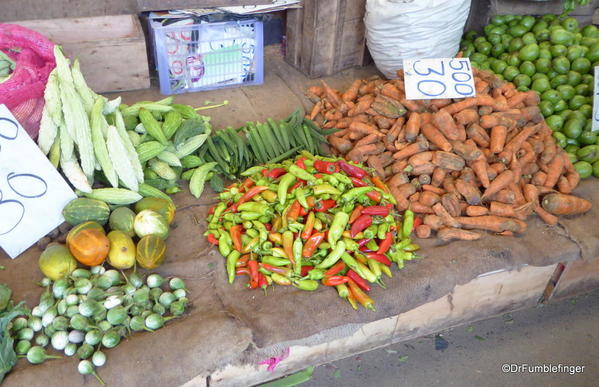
<point x="311" y="219"/>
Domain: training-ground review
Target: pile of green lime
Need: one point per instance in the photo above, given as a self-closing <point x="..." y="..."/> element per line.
<point x="553" y="56"/>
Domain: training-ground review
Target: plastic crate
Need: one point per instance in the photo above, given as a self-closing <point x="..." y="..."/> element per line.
<point x="208" y="56"/>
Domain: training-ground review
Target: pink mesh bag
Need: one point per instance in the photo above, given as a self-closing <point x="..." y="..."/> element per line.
<point x="23" y="92"/>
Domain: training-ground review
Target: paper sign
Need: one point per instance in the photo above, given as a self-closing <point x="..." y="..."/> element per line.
<point x="438" y="78"/>
<point x="596" y="102"/>
<point x="32" y="192"/>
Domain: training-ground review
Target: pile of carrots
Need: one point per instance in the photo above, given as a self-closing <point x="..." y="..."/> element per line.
<point x="481" y="163"/>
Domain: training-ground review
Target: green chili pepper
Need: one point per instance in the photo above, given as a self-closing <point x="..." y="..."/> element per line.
<point x="337" y="227"/>
<point x="351" y="244"/>
<point x="264" y="271"/>
<point x="231" y="264"/>
<point x="266" y="245"/>
<point x="228" y="224"/>
<point x="300" y="173"/>
<point x="315" y="274"/>
<point x="309" y="163"/>
<point x="253" y="170"/>
<point x="342" y="178"/>
<point x="375" y="268"/>
<point x="331" y="179"/>
<point x="280" y="279"/>
<point x="324" y="217"/>
<point x="263" y="182"/>
<point x="333" y="257"/>
<point x="307" y="284"/>
<point x="372" y="245"/>
<point x="224" y="244"/>
<point x="342" y="290"/>
<point x="323" y="189"/>
<point x="218" y="210"/>
<point x="252" y="232"/>
<point x="253" y="207"/>
<point x="355" y="193"/>
<point x="263" y="232"/>
<point x="247" y="224"/>
<point x="358" y="267"/>
<point x="275" y="261"/>
<point x="264" y="219"/>
<point x="301" y="198"/>
<point x="224" y="196"/>
<point x="230" y="216"/>
<point x="250" y="215"/>
<point x="382" y="231"/>
<point x="411" y="247"/>
<point x="321" y="253"/>
<point x="286" y="181"/>
<point x="295" y="227"/>
<point x="371" y="231"/>
<point x="309" y="156"/>
<point x="297" y="255"/>
<point x="324" y="246"/>
<point x="408" y="224"/>
<point x="349" y="207"/>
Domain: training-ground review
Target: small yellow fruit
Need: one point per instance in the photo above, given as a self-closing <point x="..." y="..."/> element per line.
<point x="57" y="262"/>
<point x="122" y="250"/>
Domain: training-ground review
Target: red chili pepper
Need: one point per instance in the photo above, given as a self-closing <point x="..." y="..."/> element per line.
<point x="334" y="280"/>
<point x="262" y="281"/>
<point x="268" y="226"/>
<point x="311" y="201"/>
<point x="352" y="170"/>
<point x="294" y="210"/>
<point x="300" y="163"/>
<point x="379" y="257"/>
<point x="297" y="184"/>
<point x="247" y="183"/>
<point x="242" y="271"/>
<point x="243" y="260"/>
<point x="417" y="222"/>
<point x="247" y="196"/>
<point x="211" y="210"/>
<point x="324" y="205"/>
<point x="264" y="172"/>
<point x="385" y="244"/>
<point x="327" y="167"/>
<point x="379" y="184"/>
<point x="362" y="223"/>
<point x="335" y="269"/>
<point x="303" y="212"/>
<point x="358" y="183"/>
<point x="277" y="269"/>
<point x="274" y="173"/>
<point x="361" y="282"/>
<point x="306" y="270"/>
<point x="355" y="214"/>
<point x="362" y="242"/>
<point x="374" y="196"/>
<point x="212" y="239"/>
<point x="253" y="266"/>
<point x="312" y="244"/>
<point x="376" y="210"/>
<point x="235" y="233"/>
<point x="318" y="175"/>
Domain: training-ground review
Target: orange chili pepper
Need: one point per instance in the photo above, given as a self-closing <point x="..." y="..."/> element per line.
<point x="334" y="280"/>
<point x="335" y="269"/>
<point x="312" y="244"/>
<point x="360" y="258"/>
<point x="243" y="260"/>
<point x="288" y="246"/>
<point x="247" y="183"/>
<point x="356" y="213"/>
<point x="275" y="237"/>
<point x="352" y="300"/>
<point x="379" y="184"/>
<point x="308" y="227"/>
<point x="294" y="210"/>
<point x="212" y="239"/>
<point x="311" y="200"/>
<point x="360" y="296"/>
<point x="374" y="195"/>
<point x="385" y="244"/>
<point x="235" y="233"/>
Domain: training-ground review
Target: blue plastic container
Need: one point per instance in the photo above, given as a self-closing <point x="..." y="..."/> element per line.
<point x="196" y="57"/>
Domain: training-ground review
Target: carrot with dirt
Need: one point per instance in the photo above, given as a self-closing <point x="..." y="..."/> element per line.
<point x="469" y="191"/>
<point x="363" y="129"/>
<point x="331" y="95"/>
<point x="423" y="231"/>
<point x="561" y="204"/>
<point x="413" y="127"/>
<point x="500" y="182"/>
<point x="360" y="154"/>
<point x="412" y="149"/>
<point x="554" y="170"/>
<point x="504" y="196"/>
<point x="478" y="135"/>
<point x="466" y="116"/>
<point x="443" y="121"/>
<point x="480" y="168"/>
<point x="498" y="136"/>
<point x="505" y="210"/>
<point x="420" y="208"/>
<point x="433" y="221"/>
<point x="491" y="223"/>
<point x="362" y="105"/>
<point x="438" y="176"/>
<point x="446" y="218"/>
<point x="476" y="210"/>
<point x="389" y="90"/>
<point x="447" y="234"/>
<point x="429" y="198"/>
<point x="352" y="92"/>
<point x="531" y="193"/>
<point x="432" y="188"/>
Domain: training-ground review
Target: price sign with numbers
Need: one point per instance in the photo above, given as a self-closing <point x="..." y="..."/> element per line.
<point x="32" y="192"/>
<point x="438" y="78"/>
<point x="596" y="102"/>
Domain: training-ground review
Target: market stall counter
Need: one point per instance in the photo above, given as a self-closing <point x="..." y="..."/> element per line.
<point x="230" y="332"/>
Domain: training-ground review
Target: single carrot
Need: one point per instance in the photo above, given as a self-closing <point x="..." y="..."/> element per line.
<point x="315" y="110"/>
<point x="420" y="158"/>
<point x="446" y="124"/>
<point x="429" y="198"/>
<point x="364" y="129"/>
<point x="360" y="154"/>
<point x="413" y="126"/>
<point x="561" y="204"/>
<point x="433" y="221"/>
<point x="432" y="188"/>
<point x="555" y="168"/>
<point x="412" y="149"/>
<point x="362" y="105"/>
<point x="467" y="116"/>
<point x="438" y="176"/>
<point x="447" y="219"/>
<point x="447" y="234"/>
<point x="480" y="168"/>
<point x="531" y="194"/>
<point x="501" y="181"/>
<point x="478" y="135"/>
<point x="419" y="208"/>
<point x="504" y="196"/>
<point x="331" y="95"/>
<point x="352" y="92"/>
<point x="476" y="210"/>
<point x="491" y="223"/>
<point x="414" y="197"/>
<point x="437" y="138"/>
<point x="498" y="136"/>
<point x="391" y="91"/>
<point x="449" y="184"/>
<point x="469" y="191"/>
<point x="573" y="179"/>
<point x="423" y="231"/>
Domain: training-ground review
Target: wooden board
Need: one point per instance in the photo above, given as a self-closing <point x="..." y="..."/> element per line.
<point x="111" y="49"/>
<point x="483" y="297"/>
<point x="331" y="35"/>
<point x="578" y="277"/>
<point x="157" y="5"/>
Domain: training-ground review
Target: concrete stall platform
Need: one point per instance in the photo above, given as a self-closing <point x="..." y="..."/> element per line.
<point x="230" y="329"/>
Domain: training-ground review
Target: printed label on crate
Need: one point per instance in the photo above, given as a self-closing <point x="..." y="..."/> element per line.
<point x="32" y="192"/>
<point x="438" y="78"/>
<point x="596" y="101"/>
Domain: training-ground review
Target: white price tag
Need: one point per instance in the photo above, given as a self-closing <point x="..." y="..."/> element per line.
<point x="438" y="78"/>
<point x="32" y="192"/>
<point x="596" y="101"/>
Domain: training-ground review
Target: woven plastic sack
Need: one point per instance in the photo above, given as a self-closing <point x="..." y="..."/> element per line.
<point x="413" y="29"/>
<point x="23" y="92"/>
